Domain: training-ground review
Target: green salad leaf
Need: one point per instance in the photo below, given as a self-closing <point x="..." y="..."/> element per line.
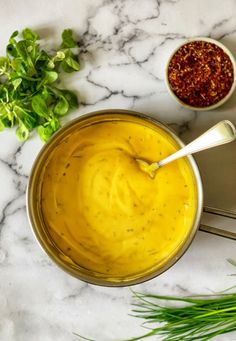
<point x="29" y="93"/>
<point x="67" y="39"/>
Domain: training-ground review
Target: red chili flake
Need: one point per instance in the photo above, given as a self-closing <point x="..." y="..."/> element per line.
<point x="200" y="74"/>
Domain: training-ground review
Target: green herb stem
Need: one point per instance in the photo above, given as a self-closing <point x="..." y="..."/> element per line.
<point x="200" y="318"/>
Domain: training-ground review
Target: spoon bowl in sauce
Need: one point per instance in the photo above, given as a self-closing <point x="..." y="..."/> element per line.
<point x="221" y="133"/>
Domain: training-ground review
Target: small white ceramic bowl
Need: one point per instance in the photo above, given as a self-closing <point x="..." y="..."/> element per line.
<point x="223" y="100"/>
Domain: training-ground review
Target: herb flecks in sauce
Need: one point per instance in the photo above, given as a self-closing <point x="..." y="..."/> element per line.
<point x="116" y="220"/>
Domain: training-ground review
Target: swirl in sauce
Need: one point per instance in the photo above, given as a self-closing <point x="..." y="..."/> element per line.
<point x="103" y="212"/>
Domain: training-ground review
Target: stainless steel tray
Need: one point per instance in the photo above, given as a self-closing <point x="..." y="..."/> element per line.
<point x="215" y="230"/>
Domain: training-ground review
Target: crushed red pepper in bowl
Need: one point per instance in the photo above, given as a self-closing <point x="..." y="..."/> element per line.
<point x="201" y="74"/>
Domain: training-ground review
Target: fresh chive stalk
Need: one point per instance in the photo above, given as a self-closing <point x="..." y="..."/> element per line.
<point x="199" y="317"/>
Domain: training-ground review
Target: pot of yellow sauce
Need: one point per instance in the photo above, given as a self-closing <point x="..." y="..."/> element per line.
<point x="97" y="214"/>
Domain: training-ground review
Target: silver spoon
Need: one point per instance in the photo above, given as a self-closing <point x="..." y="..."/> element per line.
<point x="221" y="133"/>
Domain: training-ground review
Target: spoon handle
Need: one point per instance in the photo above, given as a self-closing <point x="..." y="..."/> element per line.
<point x="221" y="133"/>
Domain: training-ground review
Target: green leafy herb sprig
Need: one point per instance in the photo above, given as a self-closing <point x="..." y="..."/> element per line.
<point x="29" y="97"/>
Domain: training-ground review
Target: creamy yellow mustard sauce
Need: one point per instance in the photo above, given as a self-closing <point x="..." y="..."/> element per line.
<point x="104" y="212"/>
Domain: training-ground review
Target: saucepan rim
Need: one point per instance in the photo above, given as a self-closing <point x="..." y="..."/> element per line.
<point x="47" y="247"/>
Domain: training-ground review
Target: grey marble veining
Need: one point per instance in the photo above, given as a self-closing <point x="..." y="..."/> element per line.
<point x="124" y="45"/>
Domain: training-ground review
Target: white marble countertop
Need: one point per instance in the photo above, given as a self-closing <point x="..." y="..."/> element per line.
<point x="125" y="44"/>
